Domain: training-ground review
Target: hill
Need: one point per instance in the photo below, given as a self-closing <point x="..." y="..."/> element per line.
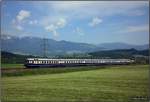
<point x="118" y="45"/>
<point x="34" y="46"/>
<point x="7" y="57"/>
<point x="122" y="53"/>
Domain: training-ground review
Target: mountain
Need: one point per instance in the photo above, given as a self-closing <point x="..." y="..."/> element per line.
<point x="34" y="46"/>
<point x="142" y="56"/>
<point x="7" y="57"/>
<point x="122" y="53"/>
<point x="112" y="46"/>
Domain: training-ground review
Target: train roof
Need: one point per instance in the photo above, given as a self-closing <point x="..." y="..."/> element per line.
<point x="71" y="59"/>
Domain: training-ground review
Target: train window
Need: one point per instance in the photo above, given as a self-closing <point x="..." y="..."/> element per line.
<point x="35" y="62"/>
<point x="48" y="62"/>
<point x="30" y="61"/>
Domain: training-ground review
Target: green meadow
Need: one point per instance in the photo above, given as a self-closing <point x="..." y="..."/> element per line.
<point x="126" y="83"/>
<point x="12" y="65"/>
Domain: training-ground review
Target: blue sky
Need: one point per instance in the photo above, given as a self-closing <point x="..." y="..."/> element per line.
<point x="92" y="22"/>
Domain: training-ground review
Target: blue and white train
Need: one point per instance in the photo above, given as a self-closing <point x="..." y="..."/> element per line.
<point x="46" y="62"/>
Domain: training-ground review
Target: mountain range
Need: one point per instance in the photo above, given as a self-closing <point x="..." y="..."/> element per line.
<point x="34" y="46"/>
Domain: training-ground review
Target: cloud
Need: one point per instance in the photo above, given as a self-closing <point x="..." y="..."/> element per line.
<point x="20" y="19"/>
<point x="85" y="9"/>
<point x="33" y="22"/>
<point x="144" y="28"/>
<point x="95" y="21"/>
<point x="61" y="23"/>
<point x="55" y="26"/>
<point x="50" y="27"/>
<point x="23" y="14"/>
<point x="79" y="31"/>
<point x="18" y="27"/>
<point x="135" y="29"/>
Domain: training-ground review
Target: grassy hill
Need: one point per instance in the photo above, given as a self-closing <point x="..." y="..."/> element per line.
<point x="10" y="58"/>
<point x="112" y="84"/>
<point x="121" y="53"/>
<point x="7" y="57"/>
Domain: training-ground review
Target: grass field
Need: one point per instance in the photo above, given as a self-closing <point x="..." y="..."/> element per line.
<point x="12" y="66"/>
<point x="127" y="83"/>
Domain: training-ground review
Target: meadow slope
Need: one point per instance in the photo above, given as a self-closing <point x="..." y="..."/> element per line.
<point x="112" y="84"/>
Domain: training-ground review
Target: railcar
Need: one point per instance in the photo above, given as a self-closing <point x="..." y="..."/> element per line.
<point x="46" y="62"/>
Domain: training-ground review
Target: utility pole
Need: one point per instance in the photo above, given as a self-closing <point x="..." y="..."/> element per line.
<point x="45" y="47"/>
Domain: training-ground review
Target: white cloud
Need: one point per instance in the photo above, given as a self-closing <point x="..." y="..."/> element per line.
<point x="55" y="26"/>
<point x="144" y="28"/>
<point x="79" y="31"/>
<point x="95" y="21"/>
<point x="23" y="14"/>
<point x="33" y="22"/>
<point x="18" y="27"/>
<point x="135" y="29"/>
<point x="61" y="23"/>
<point x="18" y="22"/>
<point x="85" y="9"/>
<point x="50" y="28"/>
<point x="55" y="33"/>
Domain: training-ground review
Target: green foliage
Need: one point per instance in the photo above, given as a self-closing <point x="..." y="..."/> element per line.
<point x="112" y="84"/>
<point x="10" y="58"/>
<point x="12" y="65"/>
<point x="37" y="71"/>
<point x="124" y="53"/>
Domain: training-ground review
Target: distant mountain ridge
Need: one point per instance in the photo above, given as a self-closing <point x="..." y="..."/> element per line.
<point x="121" y="53"/>
<point x="118" y="45"/>
<point x="34" y="46"/>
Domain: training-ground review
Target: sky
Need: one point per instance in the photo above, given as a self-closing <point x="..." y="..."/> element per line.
<point x="93" y="22"/>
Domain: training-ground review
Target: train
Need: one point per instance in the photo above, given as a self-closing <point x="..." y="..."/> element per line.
<point x="47" y="62"/>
